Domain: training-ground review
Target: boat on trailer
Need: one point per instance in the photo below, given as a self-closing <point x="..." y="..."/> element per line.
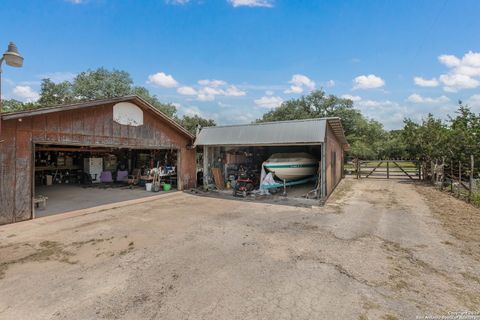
<point x="291" y="166"/>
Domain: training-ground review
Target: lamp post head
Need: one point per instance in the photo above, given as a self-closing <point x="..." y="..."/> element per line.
<point x="12" y="57"/>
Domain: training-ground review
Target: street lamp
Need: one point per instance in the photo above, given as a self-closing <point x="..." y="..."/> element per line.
<point x="13" y="59"/>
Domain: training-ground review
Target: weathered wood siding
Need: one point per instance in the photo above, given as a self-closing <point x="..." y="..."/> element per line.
<point x="86" y="126"/>
<point x="334" y="167"/>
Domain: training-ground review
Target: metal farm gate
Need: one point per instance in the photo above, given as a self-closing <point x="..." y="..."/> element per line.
<point x="387" y="169"/>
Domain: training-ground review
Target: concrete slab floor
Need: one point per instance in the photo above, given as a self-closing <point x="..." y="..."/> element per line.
<point x="68" y="197"/>
<point x="295" y="196"/>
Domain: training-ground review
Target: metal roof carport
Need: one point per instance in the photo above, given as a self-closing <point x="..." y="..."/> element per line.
<point x="281" y="133"/>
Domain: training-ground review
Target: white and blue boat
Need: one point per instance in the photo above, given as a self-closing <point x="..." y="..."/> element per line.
<point x="291" y="166"/>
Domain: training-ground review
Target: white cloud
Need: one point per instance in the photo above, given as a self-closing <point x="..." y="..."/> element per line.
<point x="210" y="91"/>
<point x="370" y="81"/>
<point x="25" y="93"/>
<point x="205" y="97"/>
<point x="269" y="93"/>
<point x="376" y="104"/>
<point x="416" y="98"/>
<point x="211" y="83"/>
<point x="330" y="83"/>
<point x="251" y="3"/>
<point x="162" y="80"/>
<point x="211" y="88"/>
<point x="455" y="82"/>
<point x="233" y="91"/>
<point x="422" y="82"/>
<point x="58" y="76"/>
<point x="269" y="101"/>
<point x="463" y="73"/>
<point x="187" y="91"/>
<point x="351" y="97"/>
<point x="294" y="89"/>
<point x="474" y="101"/>
<point x="222" y="105"/>
<point x="449" y="60"/>
<point x="192" y="111"/>
<point x="179" y="2"/>
<point x="299" y="83"/>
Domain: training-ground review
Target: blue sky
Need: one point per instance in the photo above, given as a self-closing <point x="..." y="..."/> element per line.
<point x="233" y="60"/>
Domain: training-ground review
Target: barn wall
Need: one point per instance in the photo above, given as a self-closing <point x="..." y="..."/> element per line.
<point x="87" y="126"/>
<point x="333" y="168"/>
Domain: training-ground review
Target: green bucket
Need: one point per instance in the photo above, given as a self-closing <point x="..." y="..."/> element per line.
<point x="167" y="187"/>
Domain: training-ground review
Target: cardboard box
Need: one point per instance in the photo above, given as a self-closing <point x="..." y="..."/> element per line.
<point x="49" y="179"/>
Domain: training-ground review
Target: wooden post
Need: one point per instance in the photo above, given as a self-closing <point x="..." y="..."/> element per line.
<point x="470" y="185"/>
<point x="357" y="165"/>
<point x="432" y="171"/>
<point x="206" y="159"/>
<point x="451" y="176"/>
<point x="459" y="171"/>
<point x="459" y="174"/>
<point x="388" y="169"/>
<point x="442" y="174"/>
<point x="419" y="167"/>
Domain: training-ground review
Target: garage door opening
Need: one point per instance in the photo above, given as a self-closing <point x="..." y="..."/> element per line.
<point x="302" y="159"/>
<point x="228" y="165"/>
<point x="73" y="177"/>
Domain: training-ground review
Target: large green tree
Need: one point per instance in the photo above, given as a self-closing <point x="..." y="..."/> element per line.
<point x="52" y="93"/>
<point x="11" y="105"/>
<point x="365" y="136"/>
<point x="191" y="122"/>
<point x="97" y="84"/>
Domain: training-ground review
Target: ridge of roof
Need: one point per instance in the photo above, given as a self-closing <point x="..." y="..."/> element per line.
<point x="271" y="122"/>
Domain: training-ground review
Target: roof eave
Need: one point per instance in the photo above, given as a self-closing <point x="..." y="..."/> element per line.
<point x="145" y="104"/>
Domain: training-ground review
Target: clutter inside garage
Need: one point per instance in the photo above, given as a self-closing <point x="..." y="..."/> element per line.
<point x="66" y="172"/>
<point x="265" y="171"/>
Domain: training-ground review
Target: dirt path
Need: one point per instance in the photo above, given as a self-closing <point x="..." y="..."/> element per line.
<point x="378" y="250"/>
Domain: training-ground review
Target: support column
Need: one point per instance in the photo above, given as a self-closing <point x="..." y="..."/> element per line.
<point x="206" y="155"/>
<point x="323" y="173"/>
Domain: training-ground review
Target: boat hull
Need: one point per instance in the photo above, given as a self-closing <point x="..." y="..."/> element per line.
<point x="291" y="167"/>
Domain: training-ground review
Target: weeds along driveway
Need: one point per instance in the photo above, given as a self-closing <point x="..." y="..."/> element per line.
<point x="379" y="249"/>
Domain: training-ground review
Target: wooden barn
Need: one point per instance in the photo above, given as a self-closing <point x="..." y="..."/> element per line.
<point x="65" y="147"/>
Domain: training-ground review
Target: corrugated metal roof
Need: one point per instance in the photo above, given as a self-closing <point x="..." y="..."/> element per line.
<point x="308" y="131"/>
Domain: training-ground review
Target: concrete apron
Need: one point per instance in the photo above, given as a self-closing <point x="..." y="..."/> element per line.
<point x="81" y="212"/>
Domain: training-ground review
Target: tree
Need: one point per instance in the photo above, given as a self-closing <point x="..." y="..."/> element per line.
<point x="168" y="108"/>
<point x="52" y="93"/>
<point x="425" y="141"/>
<point x="315" y="105"/>
<point x="102" y="84"/>
<point x="365" y="136"/>
<point x="464" y="135"/>
<point x="12" y="105"/>
<point x="191" y="122"/>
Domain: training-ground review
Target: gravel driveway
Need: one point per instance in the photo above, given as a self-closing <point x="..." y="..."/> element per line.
<point x="378" y="250"/>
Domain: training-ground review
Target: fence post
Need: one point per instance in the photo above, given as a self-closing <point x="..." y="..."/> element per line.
<point x="459" y="175"/>
<point x="470" y="185"/>
<point x="388" y="169"/>
<point x="442" y="174"/>
<point x="451" y="176"/>
<point x="357" y="167"/>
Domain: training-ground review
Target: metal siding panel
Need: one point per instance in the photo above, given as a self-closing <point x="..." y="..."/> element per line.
<point x="282" y="132"/>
